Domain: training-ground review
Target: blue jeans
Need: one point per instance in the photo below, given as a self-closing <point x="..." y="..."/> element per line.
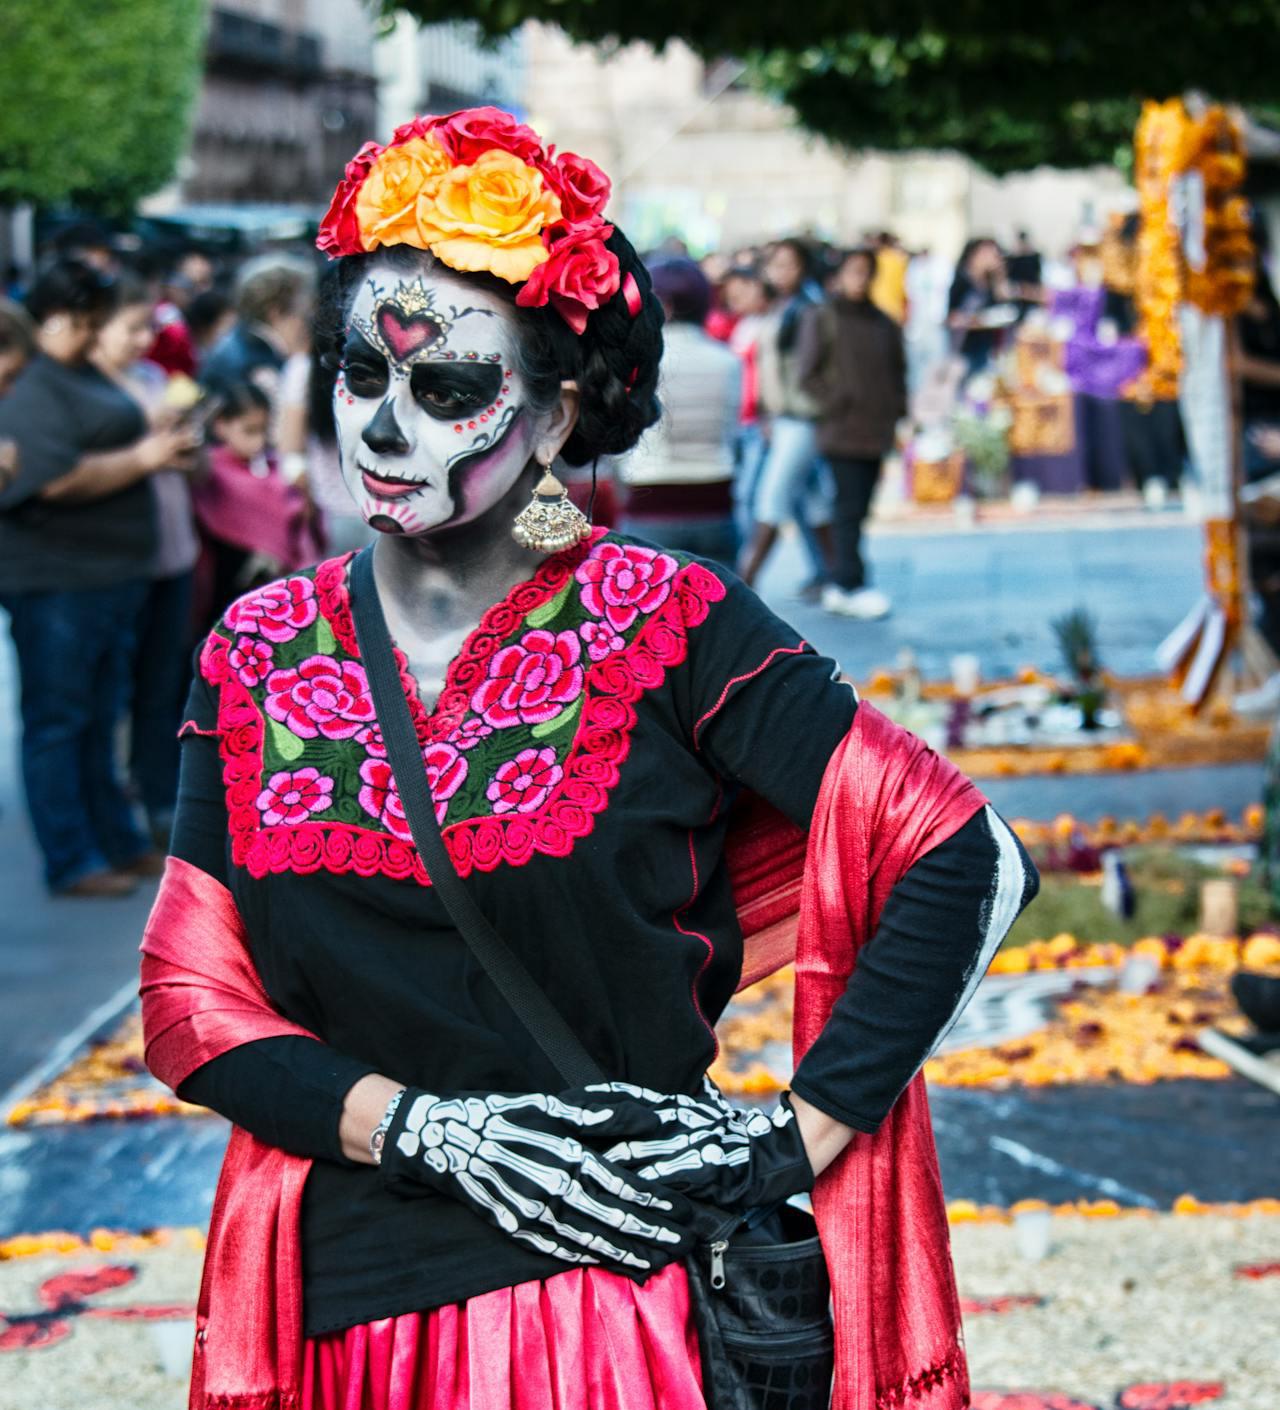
<point x="75" y="652"/>
<point x="161" y="677"/>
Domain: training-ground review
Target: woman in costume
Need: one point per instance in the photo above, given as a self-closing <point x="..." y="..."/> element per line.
<point x="412" y="1212"/>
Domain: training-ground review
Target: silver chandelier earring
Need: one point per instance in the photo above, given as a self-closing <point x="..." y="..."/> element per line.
<point x="550" y="521"/>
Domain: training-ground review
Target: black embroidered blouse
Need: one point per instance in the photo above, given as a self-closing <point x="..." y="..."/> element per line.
<point x="583" y="753"/>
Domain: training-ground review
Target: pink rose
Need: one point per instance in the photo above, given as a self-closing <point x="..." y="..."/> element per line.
<point x="469" y="733"/>
<point x="372" y="740"/>
<point x="601" y="640"/>
<point x="250" y="658"/>
<point x="340" y="230"/>
<point x="446" y="770"/>
<point x="381" y="799"/>
<point x="321" y="696"/>
<point x="621" y="581"/>
<point x="278" y="611"/>
<point x="531" y="680"/>
<point x="523" y="783"/>
<point x="578" y="275"/>
<point x="468" y="133"/>
<point x="582" y="187"/>
<point x="292" y="797"/>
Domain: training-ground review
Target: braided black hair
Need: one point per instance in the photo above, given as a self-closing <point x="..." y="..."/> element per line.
<point x="614" y="361"/>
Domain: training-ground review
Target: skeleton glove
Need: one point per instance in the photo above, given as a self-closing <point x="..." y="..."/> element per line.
<point x="736" y="1158"/>
<point x="520" y="1163"/>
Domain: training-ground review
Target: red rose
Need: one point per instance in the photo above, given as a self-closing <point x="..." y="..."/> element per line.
<point x="474" y="130"/>
<point x="339" y="230"/>
<point x="582" y="187"/>
<point x="579" y="275"/>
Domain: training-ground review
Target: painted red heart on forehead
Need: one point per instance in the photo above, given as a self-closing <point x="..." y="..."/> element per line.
<point x="406" y="334"/>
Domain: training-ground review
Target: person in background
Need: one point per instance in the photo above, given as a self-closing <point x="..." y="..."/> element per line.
<point x="17" y="342"/>
<point x="198" y="272"/>
<point x="17" y="345"/>
<point x="889" y="286"/>
<point x="77" y="531"/>
<point x="210" y="317"/>
<point x="274" y="296"/>
<point x="850" y="359"/>
<point x="1025" y="268"/>
<point x="747" y="299"/>
<point x="164" y="632"/>
<point x="254" y="525"/>
<point x="678" y="482"/>
<point x="979" y="285"/>
<point x="172" y="347"/>
<point x="790" y="485"/>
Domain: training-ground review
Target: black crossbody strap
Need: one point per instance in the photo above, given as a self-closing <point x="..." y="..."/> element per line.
<point x="513" y="981"/>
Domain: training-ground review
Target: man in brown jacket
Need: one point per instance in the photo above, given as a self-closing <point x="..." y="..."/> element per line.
<point x="850" y="359"/>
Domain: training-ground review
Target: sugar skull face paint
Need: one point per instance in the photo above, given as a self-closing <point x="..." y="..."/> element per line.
<point x="433" y="426"/>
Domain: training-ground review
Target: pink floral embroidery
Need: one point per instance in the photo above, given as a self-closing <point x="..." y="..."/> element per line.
<point x="601" y="640"/>
<point x="372" y="740"/>
<point x="531" y="680"/>
<point x="381" y="799"/>
<point x="446" y="770"/>
<point x="250" y="658"/>
<point x="523" y="783"/>
<point x="321" y="697"/>
<point x="292" y="797"/>
<point x="619" y="581"/>
<point x="278" y="611"/>
<point x="469" y="733"/>
<point x="602" y="738"/>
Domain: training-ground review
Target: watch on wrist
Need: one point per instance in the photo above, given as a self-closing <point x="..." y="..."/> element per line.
<point x="379" y="1137"/>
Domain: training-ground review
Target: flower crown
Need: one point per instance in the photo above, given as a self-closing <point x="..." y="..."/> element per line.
<point x="480" y="191"/>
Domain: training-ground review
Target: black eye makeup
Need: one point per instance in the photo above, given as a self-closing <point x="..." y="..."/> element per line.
<point x="364" y="367"/>
<point x="447" y="390"/>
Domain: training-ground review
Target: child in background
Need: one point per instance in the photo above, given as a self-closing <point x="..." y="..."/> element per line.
<point x="253" y="524"/>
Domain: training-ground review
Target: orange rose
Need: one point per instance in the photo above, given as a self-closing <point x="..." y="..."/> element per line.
<point x="489" y="216"/>
<point x="388" y="200"/>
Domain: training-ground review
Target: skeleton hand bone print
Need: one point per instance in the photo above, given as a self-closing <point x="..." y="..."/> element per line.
<point x="429" y="407"/>
<point x="520" y="1163"/>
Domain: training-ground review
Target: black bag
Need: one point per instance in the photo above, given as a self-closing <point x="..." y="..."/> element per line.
<point x="758" y="1284"/>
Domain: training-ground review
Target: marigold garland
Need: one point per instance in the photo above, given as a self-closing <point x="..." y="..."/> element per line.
<point x="1160" y="145"/>
<point x="1215" y="149"/>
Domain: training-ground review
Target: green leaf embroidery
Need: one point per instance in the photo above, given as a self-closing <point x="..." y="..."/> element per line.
<point x="558" y="722"/>
<point x="325" y="639"/>
<point x="283" y="742"/>
<point x="540" y="616"/>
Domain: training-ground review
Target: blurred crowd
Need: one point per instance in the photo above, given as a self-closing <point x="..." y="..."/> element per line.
<point x="162" y="450"/>
<point x="166" y="443"/>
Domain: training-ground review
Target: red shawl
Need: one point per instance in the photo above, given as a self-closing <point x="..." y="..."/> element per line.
<point x="885" y="800"/>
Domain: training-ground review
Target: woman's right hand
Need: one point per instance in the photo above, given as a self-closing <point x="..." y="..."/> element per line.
<point x="159" y="450"/>
<point x="520" y="1163"/>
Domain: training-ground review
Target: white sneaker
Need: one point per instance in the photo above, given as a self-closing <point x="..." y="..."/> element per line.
<point x="836" y="599"/>
<point x="869" y="604"/>
<point x="1155" y="493"/>
<point x="866" y="604"/>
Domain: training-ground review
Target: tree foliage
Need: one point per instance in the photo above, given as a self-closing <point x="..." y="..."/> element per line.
<point x="1058" y="83"/>
<point x="95" y="99"/>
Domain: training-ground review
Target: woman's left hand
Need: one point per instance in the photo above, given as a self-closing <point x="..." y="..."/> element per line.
<point x="737" y="1158"/>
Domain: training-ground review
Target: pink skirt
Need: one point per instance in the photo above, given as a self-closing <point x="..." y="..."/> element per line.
<point x="582" y="1340"/>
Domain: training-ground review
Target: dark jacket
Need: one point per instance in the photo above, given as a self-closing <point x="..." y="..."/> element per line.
<point x="850" y="359"/>
<point x="236" y="357"/>
<point x="53" y="416"/>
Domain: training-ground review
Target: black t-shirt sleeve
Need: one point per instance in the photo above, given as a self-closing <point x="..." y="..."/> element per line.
<point x="286" y="1091"/>
<point x="767" y="711"/>
<point x="45" y="436"/>
<point x="940" y="927"/>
